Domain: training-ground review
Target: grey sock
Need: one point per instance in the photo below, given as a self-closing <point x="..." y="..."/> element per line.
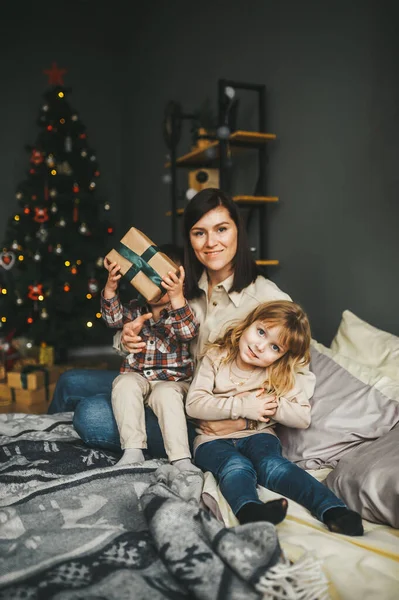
<point x="130" y="456"/>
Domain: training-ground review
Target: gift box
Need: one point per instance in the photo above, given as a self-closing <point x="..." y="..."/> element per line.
<point x="46" y="355"/>
<point x="33" y="377"/>
<point x="5" y="394"/>
<point x="25" y="401"/>
<point x="142" y="263"/>
<point x="40" y="398"/>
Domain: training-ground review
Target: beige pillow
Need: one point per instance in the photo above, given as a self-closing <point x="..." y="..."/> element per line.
<point x="365" y="344"/>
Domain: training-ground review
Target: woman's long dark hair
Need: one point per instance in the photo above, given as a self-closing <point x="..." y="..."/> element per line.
<point x="245" y="269"/>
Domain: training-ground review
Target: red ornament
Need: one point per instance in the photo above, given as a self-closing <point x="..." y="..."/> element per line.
<point x="34" y="292"/>
<point x="55" y="75"/>
<point x="49" y="127"/>
<point x="110" y="230"/>
<point x="32" y="171"/>
<point x="75" y="188"/>
<point x="41" y="215"/>
<point x="36" y="157"/>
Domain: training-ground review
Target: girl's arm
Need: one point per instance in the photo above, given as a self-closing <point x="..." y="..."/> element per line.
<point x="294" y="408"/>
<point x="202" y="403"/>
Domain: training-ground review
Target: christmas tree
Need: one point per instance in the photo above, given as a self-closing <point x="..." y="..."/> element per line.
<point x="51" y="266"/>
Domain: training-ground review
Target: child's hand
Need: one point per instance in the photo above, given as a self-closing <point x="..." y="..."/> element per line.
<point x="173" y="284"/>
<point x="268" y="405"/>
<point x="113" y="277"/>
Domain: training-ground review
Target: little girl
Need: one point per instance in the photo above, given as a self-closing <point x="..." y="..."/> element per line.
<point x="256" y="370"/>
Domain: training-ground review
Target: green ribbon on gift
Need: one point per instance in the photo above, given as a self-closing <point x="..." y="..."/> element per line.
<point x="140" y="263"/>
<point x="25" y="371"/>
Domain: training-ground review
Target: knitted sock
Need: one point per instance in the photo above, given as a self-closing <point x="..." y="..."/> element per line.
<point x="273" y="512"/>
<point x="131" y="456"/>
<point x="342" y="520"/>
<point x="185" y="464"/>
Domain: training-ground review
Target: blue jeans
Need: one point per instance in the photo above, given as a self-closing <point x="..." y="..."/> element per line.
<point x="87" y="393"/>
<point x="239" y="465"/>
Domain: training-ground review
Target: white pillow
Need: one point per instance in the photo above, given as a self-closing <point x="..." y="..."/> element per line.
<point x="365" y="344"/>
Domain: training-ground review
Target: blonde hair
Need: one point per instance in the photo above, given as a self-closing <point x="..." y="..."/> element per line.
<point x="295" y="338"/>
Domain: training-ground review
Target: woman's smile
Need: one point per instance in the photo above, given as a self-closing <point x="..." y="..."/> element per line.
<point x="214" y="241"/>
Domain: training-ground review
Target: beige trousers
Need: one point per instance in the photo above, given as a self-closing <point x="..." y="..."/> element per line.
<point x="131" y="392"/>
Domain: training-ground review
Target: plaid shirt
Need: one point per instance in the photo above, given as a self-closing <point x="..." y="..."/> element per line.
<point x="167" y="354"/>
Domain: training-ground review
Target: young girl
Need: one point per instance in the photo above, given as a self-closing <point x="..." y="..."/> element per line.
<point x="254" y="371"/>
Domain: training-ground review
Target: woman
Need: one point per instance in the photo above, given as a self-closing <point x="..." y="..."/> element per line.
<point x="222" y="284"/>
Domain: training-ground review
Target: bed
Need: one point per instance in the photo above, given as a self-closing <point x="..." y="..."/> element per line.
<point x="75" y="526"/>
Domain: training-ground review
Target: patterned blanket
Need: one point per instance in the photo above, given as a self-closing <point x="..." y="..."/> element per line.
<point x="75" y="526"/>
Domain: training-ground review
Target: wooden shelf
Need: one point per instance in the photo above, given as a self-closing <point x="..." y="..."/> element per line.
<point x="265" y="263"/>
<point x="240" y="200"/>
<point x="255" y="199"/>
<point x="238" y="141"/>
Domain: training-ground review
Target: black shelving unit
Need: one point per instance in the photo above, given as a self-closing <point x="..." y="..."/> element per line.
<point x="222" y="148"/>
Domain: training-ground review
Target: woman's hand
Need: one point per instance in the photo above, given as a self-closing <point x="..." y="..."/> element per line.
<point x="130" y="338"/>
<point x="225" y="427"/>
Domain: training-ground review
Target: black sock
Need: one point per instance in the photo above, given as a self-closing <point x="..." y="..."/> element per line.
<point x="342" y="520"/>
<point x="273" y="512"/>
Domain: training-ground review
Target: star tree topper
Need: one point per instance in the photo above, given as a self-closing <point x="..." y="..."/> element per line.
<point x="55" y="75"/>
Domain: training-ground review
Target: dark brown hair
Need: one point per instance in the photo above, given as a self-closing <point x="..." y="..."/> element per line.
<point x="245" y="269"/>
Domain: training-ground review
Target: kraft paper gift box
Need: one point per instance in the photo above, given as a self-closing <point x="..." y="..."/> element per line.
<point x="33" y="377"/>
<point x="5" y="395"/>
<point x="142" y="263"/>
<point x="25" y="401"/>
<point x="39" y="398"/>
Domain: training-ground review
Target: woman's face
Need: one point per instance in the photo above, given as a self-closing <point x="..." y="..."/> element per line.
<point x="214" y="241"/>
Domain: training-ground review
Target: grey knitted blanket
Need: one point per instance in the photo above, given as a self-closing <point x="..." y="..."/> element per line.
<point x="75" y="526"/>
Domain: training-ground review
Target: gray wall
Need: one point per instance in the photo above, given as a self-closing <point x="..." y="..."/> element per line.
<point x="331" y="69"/>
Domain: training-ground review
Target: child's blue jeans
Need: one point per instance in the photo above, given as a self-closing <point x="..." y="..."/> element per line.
<point x="239" y="465"/>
